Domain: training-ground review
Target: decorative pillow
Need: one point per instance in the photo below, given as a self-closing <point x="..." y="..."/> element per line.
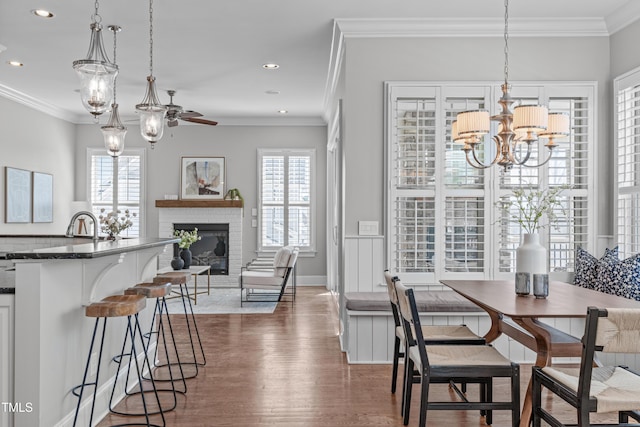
<point x="620" y="278"/>
<point x="587" y="266"/>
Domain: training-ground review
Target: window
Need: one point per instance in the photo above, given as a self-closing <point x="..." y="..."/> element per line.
<point x="442" y="220"/>
<point x="627" y="92"/>
<point x="125" y="170"/>
<point x="287" y="190"/>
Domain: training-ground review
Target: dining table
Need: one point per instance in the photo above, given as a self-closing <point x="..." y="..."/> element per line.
<point x="520" y="317"/>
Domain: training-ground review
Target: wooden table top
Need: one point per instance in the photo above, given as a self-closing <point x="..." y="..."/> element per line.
<point x="564" y="300"/>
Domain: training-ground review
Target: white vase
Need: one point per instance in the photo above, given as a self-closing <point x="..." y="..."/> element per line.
<point x="531" y="258"/>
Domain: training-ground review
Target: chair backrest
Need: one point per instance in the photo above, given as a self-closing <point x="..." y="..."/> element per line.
<point x="293" y="258"/>
<point x="393" y="297"/>
<point x="613" y="330"/>
<point x="411" y="319"/>
<point x="281" y="261"/>
<point x="618" y="330"/>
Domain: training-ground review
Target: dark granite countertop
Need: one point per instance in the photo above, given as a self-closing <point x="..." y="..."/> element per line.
<point x="91" y="250"/>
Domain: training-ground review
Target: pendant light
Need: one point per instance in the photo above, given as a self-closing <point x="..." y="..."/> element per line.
<point x="114" y="131"/>
<point x="521" y="126"/>
<point x="151" y="111"/>
<point x="96" y="72"/>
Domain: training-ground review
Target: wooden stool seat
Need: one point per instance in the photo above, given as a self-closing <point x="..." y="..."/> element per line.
<point x="116" y="306"/>
<point x="175" y="277"/>
<point x="150" y="290"/>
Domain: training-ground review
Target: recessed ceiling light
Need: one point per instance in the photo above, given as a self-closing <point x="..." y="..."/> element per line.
<point x="272" y="92"/>
<point x="15" y="63"/>
<point x="270" y="66"/>
<point x="282" y="111"/>
<point x="42" y="13"/>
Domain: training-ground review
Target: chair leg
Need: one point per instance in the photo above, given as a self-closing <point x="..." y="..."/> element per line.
<point x="536" y="400"/>
<point x="515" y="395"/>
<point x="489" y="396"/>
<point x="408" y="385"/>
<point x="424" y="399"/>
<point x="396" y="356"/>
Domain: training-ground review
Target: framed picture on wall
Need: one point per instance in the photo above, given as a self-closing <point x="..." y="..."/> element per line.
<point x="17" y="195"/>
<point x="202" y="178"/>
<point x="42" y="197"/>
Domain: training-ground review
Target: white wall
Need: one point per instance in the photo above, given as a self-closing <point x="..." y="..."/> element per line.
<point x="371" y="61"/>
<point x="238" y="144"/>
<point x="37" y="142"/>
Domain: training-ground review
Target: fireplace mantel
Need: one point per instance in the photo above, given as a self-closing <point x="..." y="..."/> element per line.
<point x="199" y="203"/>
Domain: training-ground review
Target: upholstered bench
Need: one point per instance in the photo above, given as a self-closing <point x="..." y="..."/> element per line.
<point x="427" y="301"/>
<point x="369" y="328"/>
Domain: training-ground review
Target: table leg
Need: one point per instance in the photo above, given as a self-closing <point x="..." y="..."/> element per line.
<point x="195" y="289"/>
<point x="209" y="282"/>
<point x="543" y="358"/>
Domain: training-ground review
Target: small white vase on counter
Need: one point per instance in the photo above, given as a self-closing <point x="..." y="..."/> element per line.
<point x="531" y="258"/>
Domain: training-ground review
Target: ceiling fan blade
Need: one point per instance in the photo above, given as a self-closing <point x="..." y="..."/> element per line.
<point x="189" y="114"/>
<point x="201" y="121"/>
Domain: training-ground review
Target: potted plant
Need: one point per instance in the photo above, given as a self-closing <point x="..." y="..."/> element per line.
<point x="114" y="223"/>
<point x="527" y="207"/>
<point x="233" y="194"/>
<point x="187" y="238"/>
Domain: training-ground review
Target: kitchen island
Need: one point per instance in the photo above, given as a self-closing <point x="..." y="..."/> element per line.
<point x="52" y="334"/>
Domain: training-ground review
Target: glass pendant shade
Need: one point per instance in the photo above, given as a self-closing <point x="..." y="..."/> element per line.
<point x="97" y="75"/>
<point x="152" y="113"/>
<point x="114" y="132"/>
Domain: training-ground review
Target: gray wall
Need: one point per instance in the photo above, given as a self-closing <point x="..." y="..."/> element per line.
<point x="38" y="142"/>
<point x="625" y="50"/>
<point x="370" y="62"/>
<point x="239" y="145"/>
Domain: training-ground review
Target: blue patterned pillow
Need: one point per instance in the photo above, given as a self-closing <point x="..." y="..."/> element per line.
<point x="621" y="278"/>
<point x="587" y="266"/>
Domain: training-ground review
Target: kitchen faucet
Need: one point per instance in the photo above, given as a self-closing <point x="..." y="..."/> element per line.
<point x="75" y="216"/>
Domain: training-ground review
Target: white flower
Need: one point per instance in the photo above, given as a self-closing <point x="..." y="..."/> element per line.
<point x="531" y="204"/>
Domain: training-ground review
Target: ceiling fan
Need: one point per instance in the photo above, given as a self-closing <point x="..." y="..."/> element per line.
<point x="175" y="112"/>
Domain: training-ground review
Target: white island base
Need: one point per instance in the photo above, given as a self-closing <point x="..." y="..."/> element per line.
<point x="52" y="334"/>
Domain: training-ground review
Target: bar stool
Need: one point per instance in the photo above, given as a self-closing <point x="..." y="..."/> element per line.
<point x="116" y="306"/>
<point x="181" y="278"/>
<point x="159" y="292"/>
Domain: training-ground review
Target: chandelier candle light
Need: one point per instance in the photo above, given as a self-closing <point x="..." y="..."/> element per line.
<point x="524" y="125"/>
<point x="151" y="111"/>
<point x="96" y="72"/>
<point x="114" y="131"/>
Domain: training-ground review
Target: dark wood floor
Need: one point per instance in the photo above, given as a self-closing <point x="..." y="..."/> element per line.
<point x="286" y="369"/>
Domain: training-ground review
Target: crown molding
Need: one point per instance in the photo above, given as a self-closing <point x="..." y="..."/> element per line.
<point x="37" y="104"/>
<point x="472" y="27"/>
<point x="623" y="17"/>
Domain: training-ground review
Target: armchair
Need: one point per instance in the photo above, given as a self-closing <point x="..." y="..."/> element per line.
<point x="269" y="284"/>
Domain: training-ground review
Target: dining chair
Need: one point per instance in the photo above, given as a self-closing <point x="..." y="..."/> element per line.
<point x="433" y="334"/>
<point x="449" y="364"/>
<point x="592" y="387"/>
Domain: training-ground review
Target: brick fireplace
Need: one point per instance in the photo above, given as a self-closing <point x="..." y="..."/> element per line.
<point x="219" y="212"/>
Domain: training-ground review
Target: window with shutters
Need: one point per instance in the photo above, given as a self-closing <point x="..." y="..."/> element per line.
<point x="627" y="92"/>
<point x="286" y="199"/>
<point x="116" y="184"/>
<point x="442" y="219"/>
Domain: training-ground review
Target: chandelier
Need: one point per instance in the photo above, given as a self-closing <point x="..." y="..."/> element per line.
<point x="518" y="129"/>
<point x="151" y="111"/>
<point x="96" y="72"/>
<point x="114" y="131"/>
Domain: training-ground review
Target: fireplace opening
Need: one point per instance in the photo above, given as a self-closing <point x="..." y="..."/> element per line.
<point x="212" y="249"/>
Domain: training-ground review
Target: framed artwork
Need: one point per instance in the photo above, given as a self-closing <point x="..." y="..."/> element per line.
<point x="202" y="178"/>
<point x="42" y="197"/>
<point x="17" y="195"/>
